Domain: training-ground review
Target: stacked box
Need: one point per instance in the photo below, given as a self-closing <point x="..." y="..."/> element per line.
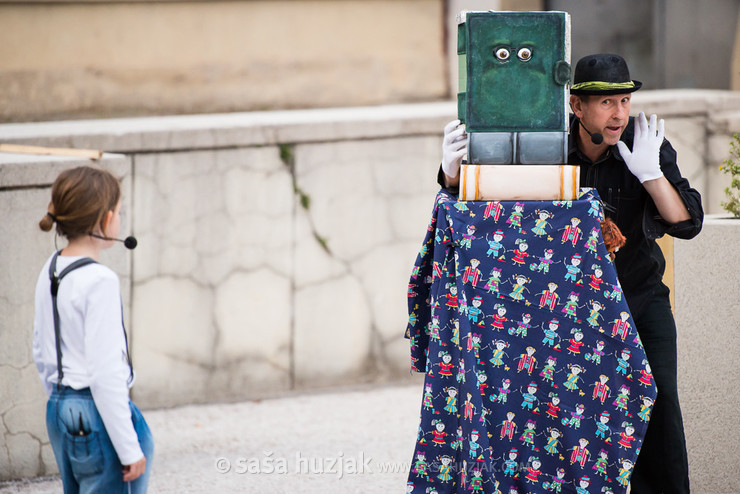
<point x="513" y="97"/>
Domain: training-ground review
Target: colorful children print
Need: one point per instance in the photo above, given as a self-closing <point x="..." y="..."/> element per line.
<point x="535" y="378"/>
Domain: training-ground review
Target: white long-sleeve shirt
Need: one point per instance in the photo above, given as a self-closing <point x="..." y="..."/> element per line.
<point x="93" y="345"/>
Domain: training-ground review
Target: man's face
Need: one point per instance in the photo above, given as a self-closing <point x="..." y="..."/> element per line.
<point x="605" y="114"/>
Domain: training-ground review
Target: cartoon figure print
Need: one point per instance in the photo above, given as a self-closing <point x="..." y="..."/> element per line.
<point x="645" y="408"/>
<point x="621" y="326"/>
<point x="527" y="437"/>
<point x="493" y="210"/>
<point x="515" y="218"/>
<point x="548" y="371"/>
<point x="596" y="353"/>
<point x="527" y="361"/>
<point x="492" y="285"/>
<point x="475" y="314"/>
<point x="445" y="364"/>
<point x="451" y="400"/>
<point x="627" y="436"/>
<point x="576" y="342"/>
<point x="596" y="280"/>
<point x="603" y="431"/>
<point x="508" y="427"/>
<point x="503" y="392"/>
<point x="520" y="253"/>
<point x="445" y="468"/>
<point x="549" y="298"/>
<point x="533" y="470"/>
<point x="601" y="389"/>
<point x="499" y="318"/>
<point x="473" y="445"/>
<point x="420" y="465"/>
<point x="543" y="266"/>
<point x="529" y="398"/>
<point x="624" y="472"/>
<point x="572" y="233"/>
<point x="557" y="481"/>
<point x="438" y="433"/>
<point x="595" y="315"/>
<point x="518" y="288"/>
<point x="571" y="307"/>
<point x="495" y="247"/>
<point x="553" y="406"/>
<point x="511" y="465"/>
<point x="497" y="357"/>
<point x="573" y="272"/>
<point x="646" y="374"/>
<point x="521" y="326"/>
<point x="592" y="242"/>
<point x="623" y="365"/>
<point x="468" y="237"/>
<point x="583" y="484"/>
<point x="552" y="441"/>
<point x="580" y="453"/>
<point x="575" y="416"/>
<point x="623" y="396"/>
<point x="541" y="223"/>
<point x="602" y="461"/>
<point x="472" y="274"/>
<point x="551" y="332"/>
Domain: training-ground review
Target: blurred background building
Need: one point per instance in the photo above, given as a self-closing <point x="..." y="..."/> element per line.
<point x="64" y="59"/>
<point x="279" y="170"/>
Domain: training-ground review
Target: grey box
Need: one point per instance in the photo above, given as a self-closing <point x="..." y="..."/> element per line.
<point x="518" y="148"/>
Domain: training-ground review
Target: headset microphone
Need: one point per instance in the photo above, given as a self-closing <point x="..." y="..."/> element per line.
<point x="129" y="242"/>
<point x="596" y="138"/>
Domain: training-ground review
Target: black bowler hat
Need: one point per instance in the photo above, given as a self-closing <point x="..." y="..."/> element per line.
<point x="603" y="74"/>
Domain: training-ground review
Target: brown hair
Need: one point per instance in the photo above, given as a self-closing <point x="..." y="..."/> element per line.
<point x="80" y="199"/>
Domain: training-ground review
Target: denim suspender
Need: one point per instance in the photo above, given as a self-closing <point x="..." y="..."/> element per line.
<point x="55" y="280"/>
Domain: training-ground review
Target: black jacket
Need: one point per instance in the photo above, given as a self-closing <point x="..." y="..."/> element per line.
<point x="640" y="263"/>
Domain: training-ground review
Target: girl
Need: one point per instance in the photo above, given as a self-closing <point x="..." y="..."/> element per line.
<point x="100" y="439"/>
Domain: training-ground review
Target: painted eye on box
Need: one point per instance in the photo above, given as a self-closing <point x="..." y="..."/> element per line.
<point x="524" y="54"/>
<point x="502" y="54"/>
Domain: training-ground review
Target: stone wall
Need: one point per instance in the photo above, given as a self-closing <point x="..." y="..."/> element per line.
<point x="275" y="249"/>
<point x="708" y="324"/>
<point x="25" y="191"/>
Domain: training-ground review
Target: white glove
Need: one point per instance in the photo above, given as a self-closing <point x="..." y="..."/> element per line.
<point x="454" y="147"/>
<point x="644" y="159"/>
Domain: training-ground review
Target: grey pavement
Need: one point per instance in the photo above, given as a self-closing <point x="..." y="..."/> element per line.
<point x="359" y="440"/>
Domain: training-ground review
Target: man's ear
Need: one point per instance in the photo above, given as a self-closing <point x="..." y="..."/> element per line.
<point x="576" y="104"/>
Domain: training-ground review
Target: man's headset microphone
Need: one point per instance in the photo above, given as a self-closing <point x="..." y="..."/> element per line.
<point x="596" y="138"/>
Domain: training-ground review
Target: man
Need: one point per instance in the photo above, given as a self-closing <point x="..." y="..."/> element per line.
<point x="634" y="170"/>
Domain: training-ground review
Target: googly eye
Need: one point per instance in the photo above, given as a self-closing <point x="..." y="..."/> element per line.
<point x="524" y="54"/>
<point x="502" y="54"/>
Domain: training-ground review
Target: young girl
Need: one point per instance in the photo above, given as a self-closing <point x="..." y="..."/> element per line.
<point x="100" y="439"/>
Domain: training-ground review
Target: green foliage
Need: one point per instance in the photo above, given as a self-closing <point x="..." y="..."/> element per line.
<point x="287" y="156"/>
<point x="732" y="168"/>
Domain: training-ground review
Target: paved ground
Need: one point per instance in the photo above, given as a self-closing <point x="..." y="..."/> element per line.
<point x="356" y="441"/>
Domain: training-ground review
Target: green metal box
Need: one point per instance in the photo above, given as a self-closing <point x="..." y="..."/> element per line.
<point x="514" y="75"/>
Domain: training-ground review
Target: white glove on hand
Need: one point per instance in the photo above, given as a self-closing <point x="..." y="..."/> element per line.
<point x="454" y="147"/>
<point x="644" y="159"/>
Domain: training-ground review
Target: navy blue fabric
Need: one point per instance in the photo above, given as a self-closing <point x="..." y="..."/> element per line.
<point x="535" y="377"/>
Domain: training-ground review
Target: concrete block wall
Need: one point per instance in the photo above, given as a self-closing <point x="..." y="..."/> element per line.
<point x="708" y="325"/>
<point x="25" y="191"/>
<point x="274" y="248"/>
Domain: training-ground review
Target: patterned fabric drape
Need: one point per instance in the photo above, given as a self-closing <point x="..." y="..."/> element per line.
<point x="536" y="380"/>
